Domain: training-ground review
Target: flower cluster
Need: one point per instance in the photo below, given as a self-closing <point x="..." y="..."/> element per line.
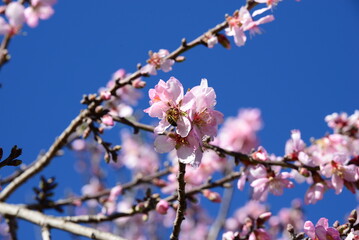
<point x="17" y="15"/>
<point x="192" y="115"/>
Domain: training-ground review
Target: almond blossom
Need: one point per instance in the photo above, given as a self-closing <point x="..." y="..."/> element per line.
<point x="39" y="9"/>
<point x="321" y="231"/>
<point x="158" y="61"/>
<point x="169" y="104"/>
<point x="15" y="14"/>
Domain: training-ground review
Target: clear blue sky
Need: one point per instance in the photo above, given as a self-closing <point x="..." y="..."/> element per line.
<point x="304" y="66"/>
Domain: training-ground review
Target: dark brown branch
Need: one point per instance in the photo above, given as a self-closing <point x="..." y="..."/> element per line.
<point x="12" y="223"/>
<point x="181" y="200"/>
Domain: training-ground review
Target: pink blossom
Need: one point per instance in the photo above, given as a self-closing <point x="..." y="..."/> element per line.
<point x="114" y="193"/>
<point x="187" y="148"/>
<point x="212" y="40"/>
<point x="105" y="95"/>
<point x="137" y="155"/>
<point x="235" y="24"/>
<point x="228" y="235"/>
<point x="274" y="183"/>
<point x="321" y="230"/>
<point x="169" y="104"/>
<point x="39" y="9"/>
<point x="158" y="61"/>
<point x="162" y="207"/>
<point x="260" y="155"/>
<point x="239" y="133"/>
<point x="339" y="172"/>
<point x="294" y="145"/>
<point x="315" y="193"/>
<point x="15" y="13"/>
<point x="107" y="120"/>
<point x="203" y="116"/>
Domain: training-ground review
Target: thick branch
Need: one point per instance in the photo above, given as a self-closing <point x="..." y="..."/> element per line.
<point x="53" y="222"/>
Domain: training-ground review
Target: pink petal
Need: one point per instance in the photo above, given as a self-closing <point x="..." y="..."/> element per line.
<point x="164" y="144"/>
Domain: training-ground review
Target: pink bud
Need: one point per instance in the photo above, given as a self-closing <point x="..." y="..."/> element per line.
<point x="105" y="95"/>
<point x="138" y="83"/>
<point x="162" y="207"/>
<point x="212" y="196"/>
<point x="107" y="120"/>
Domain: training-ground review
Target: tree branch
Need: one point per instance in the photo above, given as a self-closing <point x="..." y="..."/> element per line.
<point x="53" y="222"/>
<point x="127" y="186"/>
<point x="181" y="200"/>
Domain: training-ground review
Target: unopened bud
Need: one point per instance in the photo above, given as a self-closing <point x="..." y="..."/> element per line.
<point x="138" y="83"/>
<point x="263" y="218"/>
<point x="105" y="95"/>
<point x="212" y="196"/>
<point x="304" y="172"/>
<point x="117" y="148"/>
<point x="180" y="59"/>
<point x="162" y="207"/>
<point x="159" y="182"/>
<point x="353" y="216"/>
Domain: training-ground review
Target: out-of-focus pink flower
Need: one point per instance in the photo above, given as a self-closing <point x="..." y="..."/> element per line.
<point x="239" y="133"/>
<point x="78" y="144"/>
<point x="114" y="193"/>
<point x="274" y="183"/>
<point x="321" y="230"/>
<point x="15" y="13"/>
<point x="107" y="120"/>
<point x="157" y="61"/>
<point x="315" y="193"/>
<point x="162" y="207"/>
<point x="138" y="155"/>
<point x="228" y="235"/>
<point x="39" y="9"/>
<point x="294" y="145"/>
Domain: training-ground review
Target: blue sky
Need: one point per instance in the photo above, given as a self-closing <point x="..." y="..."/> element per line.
<point x="303" y="67"/>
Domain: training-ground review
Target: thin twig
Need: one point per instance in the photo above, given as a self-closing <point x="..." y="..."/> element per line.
<point x="182" y="205"/>
<point x="54" y="222"/>
<point x="126" y="186"/>
<point x="133" y="211"/>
